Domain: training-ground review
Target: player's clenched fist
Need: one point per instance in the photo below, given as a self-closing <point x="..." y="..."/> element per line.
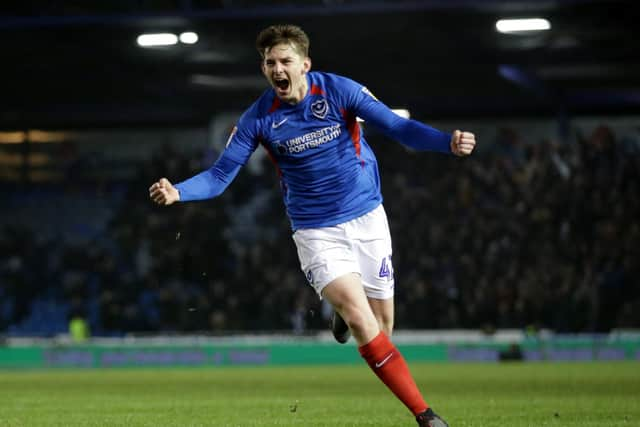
<point x="462" y="143"/>
<point x="163" y="192"/>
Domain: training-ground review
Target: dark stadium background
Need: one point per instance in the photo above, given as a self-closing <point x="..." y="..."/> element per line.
<point x="538" y="229"/>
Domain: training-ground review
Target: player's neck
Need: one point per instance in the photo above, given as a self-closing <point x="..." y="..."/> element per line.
<point x="299" y="94"/>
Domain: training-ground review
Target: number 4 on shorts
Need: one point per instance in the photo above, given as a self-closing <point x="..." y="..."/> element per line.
<point x="385" y="267"/>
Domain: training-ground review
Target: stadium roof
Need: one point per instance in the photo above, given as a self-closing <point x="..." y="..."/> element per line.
<point x="76" y="63"/>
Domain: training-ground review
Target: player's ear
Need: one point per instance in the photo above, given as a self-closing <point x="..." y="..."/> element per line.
<point x="306" y="64"/>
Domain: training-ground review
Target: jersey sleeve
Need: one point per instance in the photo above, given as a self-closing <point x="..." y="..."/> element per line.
<point x="244" y="137"/>
<point x="412" y="133"/>
<point x="211" y="183"/>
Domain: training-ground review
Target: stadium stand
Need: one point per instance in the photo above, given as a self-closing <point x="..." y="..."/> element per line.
<point x="523" y="235"/>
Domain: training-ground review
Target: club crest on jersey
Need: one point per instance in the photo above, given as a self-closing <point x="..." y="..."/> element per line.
<point x="320" y="108"/>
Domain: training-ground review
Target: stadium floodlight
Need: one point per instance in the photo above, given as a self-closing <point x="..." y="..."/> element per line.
<point x="188" y="37"/>
<point x="157" y="39"/>
<point x="520" y="25"/>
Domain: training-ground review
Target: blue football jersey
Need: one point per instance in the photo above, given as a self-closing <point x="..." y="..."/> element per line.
<point x="328" y="172"/>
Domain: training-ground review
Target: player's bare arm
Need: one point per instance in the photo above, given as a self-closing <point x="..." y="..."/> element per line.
<point x="163" y="192"/>
<point x="462" y="143"/>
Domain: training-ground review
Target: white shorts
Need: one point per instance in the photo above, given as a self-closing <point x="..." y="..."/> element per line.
<point x="362" y="246"/>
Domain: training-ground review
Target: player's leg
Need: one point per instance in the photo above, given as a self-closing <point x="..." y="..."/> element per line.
<point x="383" y="311"/>
<point x="325" y="255"/>
<point x="349" y="301"/>
<point x="333" y="269"/>
<point x="347" y="296"/>
<point x="373" y="248"/>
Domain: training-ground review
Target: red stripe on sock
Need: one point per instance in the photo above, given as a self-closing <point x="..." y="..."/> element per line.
<point x="386" y="361"/>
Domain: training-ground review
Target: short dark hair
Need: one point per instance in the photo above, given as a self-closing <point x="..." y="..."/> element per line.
<point x="287" y="34"/>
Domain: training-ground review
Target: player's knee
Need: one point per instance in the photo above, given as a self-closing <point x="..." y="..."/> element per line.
<point x="358" y="319"/>
<point x="386" y="326"/>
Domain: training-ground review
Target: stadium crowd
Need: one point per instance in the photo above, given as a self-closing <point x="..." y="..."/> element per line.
<point x="541" y="234"/>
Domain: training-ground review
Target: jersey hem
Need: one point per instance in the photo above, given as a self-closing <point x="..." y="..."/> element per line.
<point x="299" y="225"/>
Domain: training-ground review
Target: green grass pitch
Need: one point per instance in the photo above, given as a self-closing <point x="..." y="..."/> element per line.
<point x="478" y="395"/>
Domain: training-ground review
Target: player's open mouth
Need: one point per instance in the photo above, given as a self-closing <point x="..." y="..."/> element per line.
<point x="282" y="84"/>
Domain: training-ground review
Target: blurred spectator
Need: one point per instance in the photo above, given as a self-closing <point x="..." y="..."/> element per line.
<point x="78" y="329"/>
